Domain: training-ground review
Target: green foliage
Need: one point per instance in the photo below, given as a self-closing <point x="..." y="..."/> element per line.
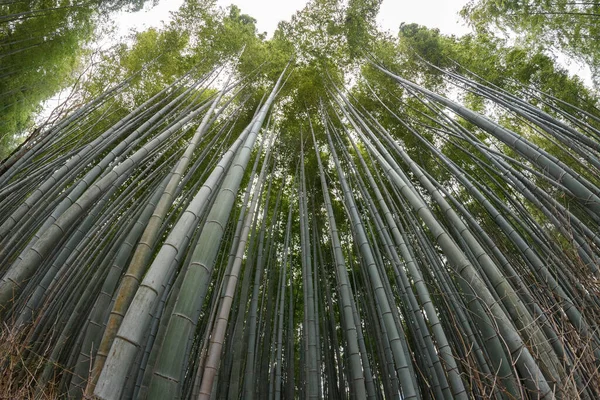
<point x="567" y="26"/>
<point x="41" y="51"/>
<point x="38" y="54"/>
<point x="359" y="25"/>
<point x="488" y="58"/>
<point x="201" y="35"/>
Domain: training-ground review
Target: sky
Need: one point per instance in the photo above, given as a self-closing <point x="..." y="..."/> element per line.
<point x="441" y="14"/>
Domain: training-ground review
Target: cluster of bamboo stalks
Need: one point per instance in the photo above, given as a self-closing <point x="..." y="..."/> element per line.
<point x="182" y="249"/>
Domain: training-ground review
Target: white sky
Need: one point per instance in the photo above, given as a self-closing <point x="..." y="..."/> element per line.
<point x="441" y="14"/>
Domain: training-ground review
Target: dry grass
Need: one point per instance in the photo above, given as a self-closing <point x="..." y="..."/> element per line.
<point x="17" y="379"/>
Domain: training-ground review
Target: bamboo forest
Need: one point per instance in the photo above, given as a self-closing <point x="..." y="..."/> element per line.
<point x="330" y="211"/>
